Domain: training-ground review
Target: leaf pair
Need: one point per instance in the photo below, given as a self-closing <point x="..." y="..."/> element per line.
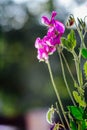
<point x="70" y="42"/>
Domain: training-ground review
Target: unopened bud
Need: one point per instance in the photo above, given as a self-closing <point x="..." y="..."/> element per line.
<point x="70" y="21"/>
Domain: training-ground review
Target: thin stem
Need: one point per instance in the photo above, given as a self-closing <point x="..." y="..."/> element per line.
<point x="78" y="58"/>
<point x="77" y="28"/>
<point x="81" y="35"/>
<point x="79" y="126"/>
<point x="59" y="115"/>
<point x="68" y="67"/>
<point x="81" y="46"/>
<point x="85" y="85"/>
<point x="84" y="33"/>
<point x="64" y="77"/>
<point x="57" y="94"/>
<point x="78" y="70"/>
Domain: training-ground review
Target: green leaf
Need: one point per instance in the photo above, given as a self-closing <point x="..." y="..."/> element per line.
<point x="73" y="125"/>
<point x="85" y="114"/>
<point x="78" y="99"/>
<point x="65" y="43"/>
<point x="76" y="112"/>
<point x="70" y="42"/>
<point x="84" y="53"/>
<point x="85" y="69"/>
<point x="84" y="125"/>
<point x="71" y="38"/>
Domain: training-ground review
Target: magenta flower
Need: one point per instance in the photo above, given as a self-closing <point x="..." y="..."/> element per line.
<point x="54" y="36"/>
<point x="48" y="22"/>
<point x="55" y="28"/>
<point x="53" y="23"/>
<point x="47" y="45"/>
<point x="43" y="48"/>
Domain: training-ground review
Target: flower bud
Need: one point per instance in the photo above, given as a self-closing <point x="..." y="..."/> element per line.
<point x="70" y="21"/>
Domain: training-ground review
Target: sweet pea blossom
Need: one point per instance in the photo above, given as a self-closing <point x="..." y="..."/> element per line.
<point x="53" y="23"/>
<point x="48" y="22"/>
<point x="47" y="45"/>
<point x="43" y="49"/>
<point x="55" y="28"/>
<point x="54" y="35"/>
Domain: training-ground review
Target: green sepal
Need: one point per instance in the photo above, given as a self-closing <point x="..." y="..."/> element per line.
<point x="76" y="112"/>
<point x="85" y="69"/>
<point x="84" y="53"/>
<point x="69" y="42"/>
<point x="49" y="115"/>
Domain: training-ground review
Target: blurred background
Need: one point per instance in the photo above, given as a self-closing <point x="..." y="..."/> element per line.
<point x="25" y="84"/>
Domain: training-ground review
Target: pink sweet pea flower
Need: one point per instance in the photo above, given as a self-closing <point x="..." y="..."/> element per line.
<point x="55" y="28"/>
<point x="54" y="36"/>
<point x="48" y="22"/>
<point x="53" y="23"/>
<point x="43" y="49"/>
<point x="47" y="45"/>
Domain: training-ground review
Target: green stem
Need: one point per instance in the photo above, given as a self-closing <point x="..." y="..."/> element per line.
<point x="68" y="67"/>
<point x="81" y="46"/>
<point x="78" y="58"/>
<point x="64" y="77"/>
<point x="85" y="85"/>
<point x="57" y="94"/>
<point x="81" y="35"/>
<point x="78" y="69"/>
<point x="60" y="115"/>
<point x="79" y="126"/>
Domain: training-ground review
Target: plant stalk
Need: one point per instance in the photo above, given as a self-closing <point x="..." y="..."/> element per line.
<point x="60" y="115"/>
<point x="68" y="67"/>
<point x="64" y="77"/>
<point x="57" y="94"/>
<point x="78" y="69"/>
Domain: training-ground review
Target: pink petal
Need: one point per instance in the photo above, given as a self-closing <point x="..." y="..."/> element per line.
<point x="45" y="20"/>
<point x="54" y="13"/>
<point x="59" y="26"/>
<point x="37" y="42"/>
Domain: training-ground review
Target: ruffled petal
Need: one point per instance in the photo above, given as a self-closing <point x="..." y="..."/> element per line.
<point x="59" y="26"/>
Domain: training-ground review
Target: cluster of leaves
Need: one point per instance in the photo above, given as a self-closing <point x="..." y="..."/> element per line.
<point x="70" y="42"/>
<point x="78" y="118"/>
